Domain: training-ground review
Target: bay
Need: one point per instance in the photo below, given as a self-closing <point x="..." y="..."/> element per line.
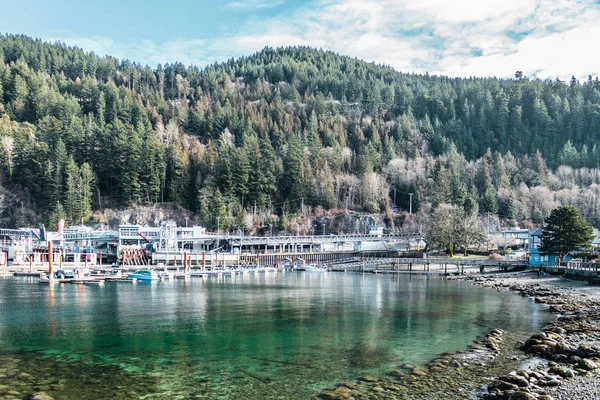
<point x="269" y="335"/>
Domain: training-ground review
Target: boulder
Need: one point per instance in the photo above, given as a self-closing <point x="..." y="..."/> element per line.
<point x="497" y="332"/>
<point x="521" y="396"/>
<point x="587" y="364"/>
<point x="40" y="396"/>
<point x="553" y="382"/>
<point x="369" y="378"/>
<point x="520" y="381"/>
<point x="503" y="386"/>
<point x="560" y="370"/>
<point x="538" y="349"/>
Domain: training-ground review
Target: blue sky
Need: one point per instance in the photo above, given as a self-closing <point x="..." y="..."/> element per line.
<point x="545" y="38"/>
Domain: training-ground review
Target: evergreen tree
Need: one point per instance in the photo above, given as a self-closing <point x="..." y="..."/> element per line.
<point x="564" y="231"/>
<point x="293" y="171"/>
<point x="458" y="190"/>
<point x="506" y="207"/>
<point x="71" y="189"/>
<point x="489" y="202"/>
<point x="483" y="180"/>
<point x="86" y="190"/>
<point x="442" y="189"/>
<point x="241" y="175"/>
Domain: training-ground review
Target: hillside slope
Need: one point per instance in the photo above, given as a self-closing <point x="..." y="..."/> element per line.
<point x="256" y="140"/>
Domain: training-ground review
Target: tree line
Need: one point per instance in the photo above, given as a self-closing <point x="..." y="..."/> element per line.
<point x="255" y="140"/>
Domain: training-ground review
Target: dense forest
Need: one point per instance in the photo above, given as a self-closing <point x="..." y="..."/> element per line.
<point x="262" y="139"/>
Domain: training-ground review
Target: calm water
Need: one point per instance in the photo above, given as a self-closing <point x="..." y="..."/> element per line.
<point x="274" y="335"/>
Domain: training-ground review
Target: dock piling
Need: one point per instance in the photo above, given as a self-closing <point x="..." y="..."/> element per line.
<point x="50" y="266"/>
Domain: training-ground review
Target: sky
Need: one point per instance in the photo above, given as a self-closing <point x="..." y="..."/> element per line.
<point x="543" y="38"/>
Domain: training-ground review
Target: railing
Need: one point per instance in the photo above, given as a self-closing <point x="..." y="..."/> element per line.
<point x="90" y="235"/>
<point x="320" y="239"/>
<point x="582" y="265"/>
<point x="368" y="262"/>
<point x="17" y="232"/>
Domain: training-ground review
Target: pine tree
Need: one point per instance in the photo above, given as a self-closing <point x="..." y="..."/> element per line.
<point x="470" y="204"/>
<point x="241" y="175"/>
<point x="71" y="196"/>
<point x="458" y="190"/>
<point x="442" y="190"/>
<point x="564" y="231"/>
<point x="57" y="214"/>
<point x="86" y="190"/>
<point x="268" y="160"/>
<point x="500" y="179"/>
<point x="293" y="171"/>
<point x="489" y="202"/>
<point x="506" y="207"/>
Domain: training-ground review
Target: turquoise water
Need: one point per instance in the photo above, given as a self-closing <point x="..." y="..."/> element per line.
<point x="271" y="336"/>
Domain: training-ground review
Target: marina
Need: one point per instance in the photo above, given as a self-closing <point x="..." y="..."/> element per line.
<point x="193" y="249"/>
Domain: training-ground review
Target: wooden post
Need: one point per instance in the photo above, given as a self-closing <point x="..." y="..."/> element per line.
<point x="203" y="261"/>
<point x="100" y="259"/>
<point x="50" y="266"/>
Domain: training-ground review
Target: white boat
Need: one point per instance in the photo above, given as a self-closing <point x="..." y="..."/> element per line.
<point x="315" y="268"/>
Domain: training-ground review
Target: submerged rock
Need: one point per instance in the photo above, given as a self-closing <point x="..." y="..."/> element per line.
<point x="40" y="396"/>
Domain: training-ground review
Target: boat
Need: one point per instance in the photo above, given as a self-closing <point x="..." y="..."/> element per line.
<point x="145" y="275"/>
<point x="315" y="268"/>
<point x="64" y="274"/>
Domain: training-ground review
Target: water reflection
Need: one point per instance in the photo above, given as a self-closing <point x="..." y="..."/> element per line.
<point x="308" y="329"/>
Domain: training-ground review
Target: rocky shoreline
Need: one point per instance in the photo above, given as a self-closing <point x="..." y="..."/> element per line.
<point x="568" y="349"/>
<point x="559" y="362"/>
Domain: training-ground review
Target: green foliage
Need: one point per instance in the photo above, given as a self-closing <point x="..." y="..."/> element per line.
<point x="277" y="128"/>
<point x="565" y="230"/>
<point x="489" y="202"/>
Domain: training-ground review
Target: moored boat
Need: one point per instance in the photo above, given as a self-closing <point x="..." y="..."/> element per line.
<point x="145" y="275"/>
<point x="315" y="268"/>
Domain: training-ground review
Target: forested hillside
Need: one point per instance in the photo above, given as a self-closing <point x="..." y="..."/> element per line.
<point x="255" y="141"/>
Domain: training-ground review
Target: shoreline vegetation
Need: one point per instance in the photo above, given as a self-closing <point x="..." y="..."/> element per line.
<point x="558" y="362"/>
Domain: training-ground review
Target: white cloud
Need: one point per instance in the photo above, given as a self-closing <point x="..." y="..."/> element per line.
<point x="545" y="38"/>
<point x="253" y="4"/>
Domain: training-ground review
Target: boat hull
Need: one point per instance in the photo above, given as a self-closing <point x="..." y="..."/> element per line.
<point x="143" y="278"/>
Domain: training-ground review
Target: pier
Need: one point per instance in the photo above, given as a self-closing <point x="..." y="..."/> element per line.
<point x="422" y="265"/>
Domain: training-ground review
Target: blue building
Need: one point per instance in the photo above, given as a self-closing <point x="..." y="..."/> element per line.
<point x="537" y="259"/>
